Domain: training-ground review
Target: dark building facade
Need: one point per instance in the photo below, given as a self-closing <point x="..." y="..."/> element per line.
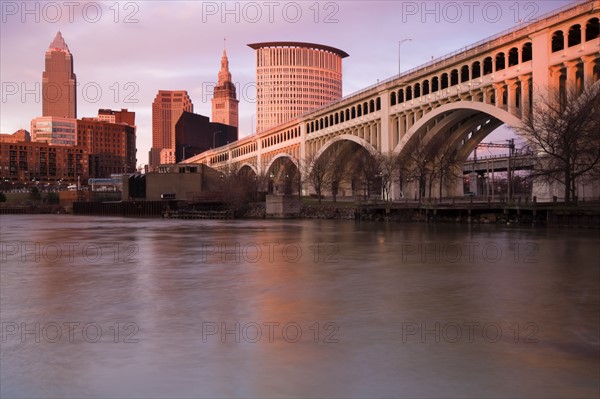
<point x="195" y="134"/>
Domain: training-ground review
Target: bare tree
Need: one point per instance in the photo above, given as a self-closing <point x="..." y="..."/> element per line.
<point x="337" y="169"/>
<point x="443" y="166"/>
<point x="564" y="129"/>
<point x="369" y="170"/>
<point x="403" y="170"/>
<point x="388" y="167"/>
<point x="417" y="165"/>
<point x="316" y="171"/>
<point x="337" y="172"/>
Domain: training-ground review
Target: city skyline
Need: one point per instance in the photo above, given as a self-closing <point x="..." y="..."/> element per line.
<point x="111" y="75"/>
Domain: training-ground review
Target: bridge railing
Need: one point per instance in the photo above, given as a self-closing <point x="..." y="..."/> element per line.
<point x="500" y="156"/>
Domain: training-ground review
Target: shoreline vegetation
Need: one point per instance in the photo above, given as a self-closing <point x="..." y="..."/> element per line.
<point x="560" y="214"/>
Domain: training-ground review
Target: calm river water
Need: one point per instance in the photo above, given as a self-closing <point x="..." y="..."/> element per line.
<point x="116" y="307"/>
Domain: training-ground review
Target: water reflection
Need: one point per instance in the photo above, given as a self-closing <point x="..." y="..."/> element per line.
<point x="416" y="310"/>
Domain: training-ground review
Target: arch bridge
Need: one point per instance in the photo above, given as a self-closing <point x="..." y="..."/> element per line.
<point x="451" y="102"/>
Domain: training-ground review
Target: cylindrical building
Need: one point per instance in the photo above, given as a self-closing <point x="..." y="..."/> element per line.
<point x="293" y="78"/>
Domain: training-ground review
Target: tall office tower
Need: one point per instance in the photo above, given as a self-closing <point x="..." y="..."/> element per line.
<point x="224" y="102"/>
<point x="166" y="110"/>
<point x="293" y="78"/>
<point x="59" y="96"/>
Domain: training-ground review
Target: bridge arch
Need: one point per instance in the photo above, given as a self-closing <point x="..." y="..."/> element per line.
<point x="352" y="164"/>
<point x="283" y="174"/>
<point x="348" y="137"/>
<point x="451" y="116"/>
<point x="245" y="168"/>
<point x="282" y="155"/>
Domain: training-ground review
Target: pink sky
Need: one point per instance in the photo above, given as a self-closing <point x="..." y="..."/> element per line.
<point x="124" y="52"/>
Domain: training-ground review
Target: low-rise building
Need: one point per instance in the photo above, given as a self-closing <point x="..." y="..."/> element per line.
<point x="54" y="130"/>
<point x="20" y="135"/>
<point x="189" y="182"/>
<point x="33" y="161"/>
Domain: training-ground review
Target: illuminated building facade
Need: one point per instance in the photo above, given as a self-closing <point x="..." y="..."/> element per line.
<point x="293" y="78"/>
<point x="58" y="81"/>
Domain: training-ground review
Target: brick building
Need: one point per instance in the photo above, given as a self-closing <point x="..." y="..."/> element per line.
<point x="111" y="145"/>
<point x="33" y="161"/>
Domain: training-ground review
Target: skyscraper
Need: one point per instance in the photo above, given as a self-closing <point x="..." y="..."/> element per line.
<point x="224" y="102"/>
<point x="166" y="110"/>
<point x="293" y="78"/>
<point x="59" y="97"/>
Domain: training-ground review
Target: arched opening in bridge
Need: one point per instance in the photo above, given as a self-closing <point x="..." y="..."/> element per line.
<point x="574" y="35"/>
<point x="426" y="87"/>
<point x="475" y="70"/>
<point x="454" y="77"/>
<point x="513" y="56"/>
<point x="464" y="74"/>
<point x="444" y="80"/>
<point x="437" y="157"/>
<point x="353" y="172"/>
<point x="527" y="52"/>
<point x="558" y="41"/>
<point x="435" y="84"/>
<point x="283" y="177"/>
<point x="592" y="29"/>
<point x="240" y="187"/>
<point x="487" y="66"/>
<point x="500" y="65"/>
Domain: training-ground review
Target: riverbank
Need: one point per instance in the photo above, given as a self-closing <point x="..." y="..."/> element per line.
<point x="582" y="215"/>
<point x="550" y="214"/>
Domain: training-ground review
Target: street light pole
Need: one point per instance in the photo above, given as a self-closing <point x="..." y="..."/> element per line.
<point x="399" y="44"/>
<point x="183" y="155"/>
<point x="214" y="137"/>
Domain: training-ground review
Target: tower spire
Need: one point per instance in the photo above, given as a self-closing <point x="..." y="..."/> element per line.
<point x="224" y="74"/>
<point x="224" y="102"/>
<point x="58" y="43"/>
